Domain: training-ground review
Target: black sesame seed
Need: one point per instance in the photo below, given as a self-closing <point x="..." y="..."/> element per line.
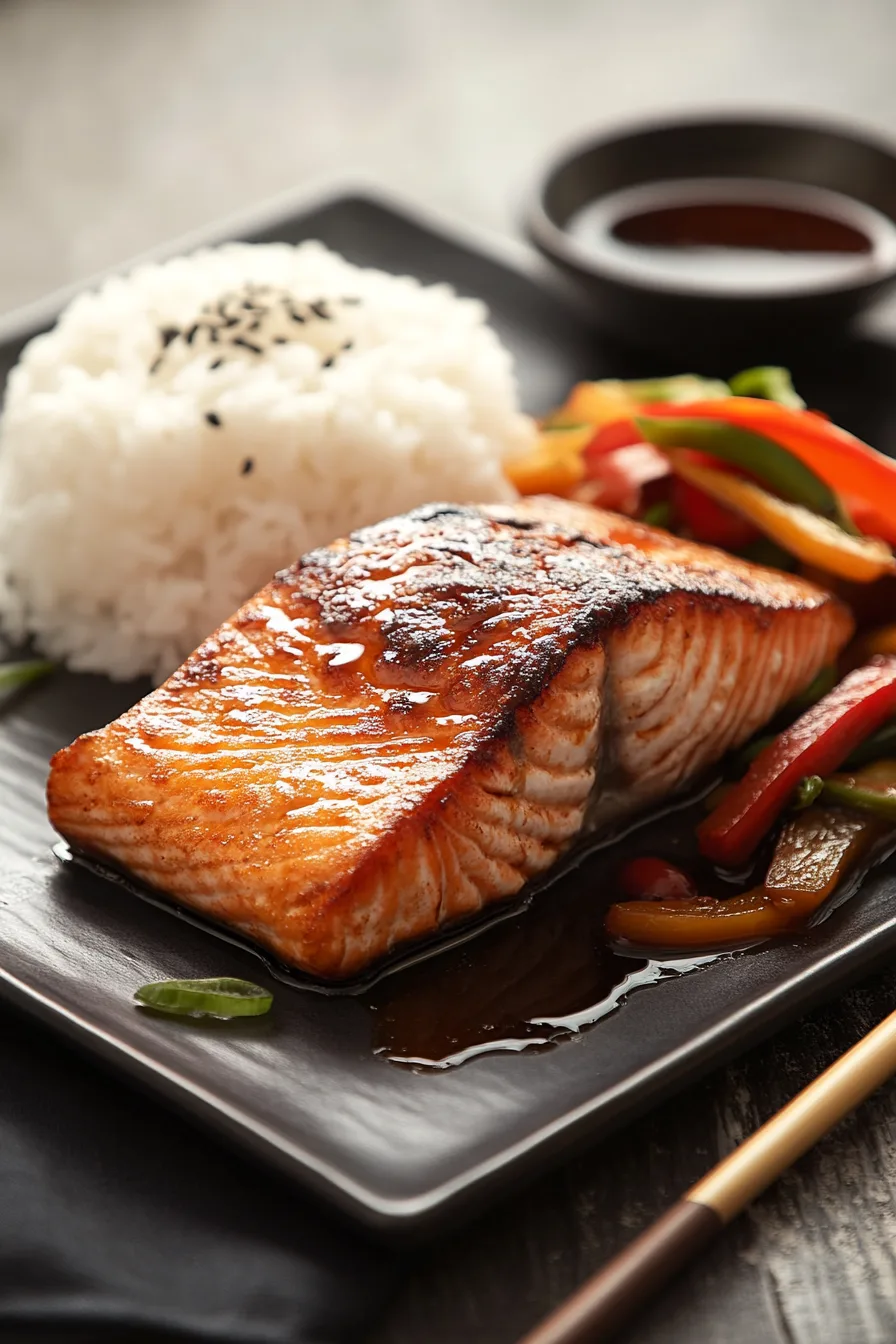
<point x="280" y="340"/>
<point x="349" y="345"/>
<point x="191" y="333"/>
<point x="320" y="310"/>
<point x="216" y="363"/>
<point x="247" y="345"/>
<point x="213" y="418"/>
<point x="168" y="334"/>
<point x="296" y="317"/>
<point x="247" y="467"/>
<point x="328" y="362"/>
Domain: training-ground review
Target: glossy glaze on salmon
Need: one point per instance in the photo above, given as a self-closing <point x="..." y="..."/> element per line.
<point x="412" y="723"/>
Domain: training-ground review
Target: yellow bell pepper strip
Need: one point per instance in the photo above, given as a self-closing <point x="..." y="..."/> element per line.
<point x="872" y="789"/>
<point x="816" y="744"/>
<point x="766" y="461"/>
<point x="555" y="465"/>
<point x="815" y="851"/>
<point x="703" y="922"/>
<point x="849" y="466"/>
<point x="770" y="382"/>
<point x="813" y="539"/>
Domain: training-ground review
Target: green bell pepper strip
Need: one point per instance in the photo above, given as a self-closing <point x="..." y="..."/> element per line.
<point x="770" y="382"/>
<point x="772" y="465"/>
<point x="223" y="997"/>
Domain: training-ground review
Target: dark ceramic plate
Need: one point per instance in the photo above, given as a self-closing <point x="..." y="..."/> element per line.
<point x="302" y="1087"/>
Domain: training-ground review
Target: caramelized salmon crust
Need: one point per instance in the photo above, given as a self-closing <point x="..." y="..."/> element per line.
<point x="411" y="723"/>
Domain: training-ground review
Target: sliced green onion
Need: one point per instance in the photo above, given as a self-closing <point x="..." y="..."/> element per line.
<point x="808" y="790"/>
<point x="15" y="675"/>
<point x="222" y="997"/>
<point x="769" y="382"/>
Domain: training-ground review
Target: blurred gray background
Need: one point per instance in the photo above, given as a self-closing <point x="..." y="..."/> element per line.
<point x="127" y="122"/>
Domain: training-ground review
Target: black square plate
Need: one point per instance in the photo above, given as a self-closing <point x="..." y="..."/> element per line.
<point x="302" y="1088"/>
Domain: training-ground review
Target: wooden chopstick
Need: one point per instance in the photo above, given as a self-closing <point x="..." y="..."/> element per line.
<point x="614" y="1293"/>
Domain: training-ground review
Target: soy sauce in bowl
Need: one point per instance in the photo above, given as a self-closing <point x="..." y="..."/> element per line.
<point x="735" y="236"/>
<point x="721" y="240"/>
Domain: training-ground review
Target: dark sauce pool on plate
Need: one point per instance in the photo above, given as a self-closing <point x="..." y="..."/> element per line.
<point x="545" y="974"/>
<point x="736" y="235"/>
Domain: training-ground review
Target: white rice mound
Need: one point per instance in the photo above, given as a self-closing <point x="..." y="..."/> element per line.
<point x="145" y="494"/>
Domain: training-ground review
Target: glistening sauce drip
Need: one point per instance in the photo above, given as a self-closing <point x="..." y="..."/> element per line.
<point x="545" y="974"/>
<point x="735" y="234"/>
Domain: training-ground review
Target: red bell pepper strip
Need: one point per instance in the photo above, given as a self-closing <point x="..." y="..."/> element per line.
<point x="706" y="520"/>
<point x="815" y="744"/>
<point x="847" y="464"/>
<point x="617" y="434"/>
<point x="649" y="879"/>
<point x="617" y="479"/>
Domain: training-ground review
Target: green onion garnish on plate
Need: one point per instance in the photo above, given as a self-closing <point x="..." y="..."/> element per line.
<point x="221" y="997"/>
<point x="14" y="675"/>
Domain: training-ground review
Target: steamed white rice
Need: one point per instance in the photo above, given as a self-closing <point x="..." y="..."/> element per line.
<point x="144" y="493"/>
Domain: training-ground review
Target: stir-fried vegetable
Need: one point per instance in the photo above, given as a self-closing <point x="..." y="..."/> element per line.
<point x="766" y="461"/>
<point x="700" y="517"/>
<point x="815" y="851"/>
<point x="617" y="480"/>
<point x="15" y="675"/>
<point x="703" y="922"/>
<point x="816" y="744"/>
<point x="872" y="789"/>
<point x="850" y="467"/>
<point x="648" y="879"/>
<point x="612" y="399"/>
<point x="812" y="538"/>
<point x="223" y="997"/>
<point x="769" y="381"/>
<point x="555" y="465"/>
<point x="809" y="788"/>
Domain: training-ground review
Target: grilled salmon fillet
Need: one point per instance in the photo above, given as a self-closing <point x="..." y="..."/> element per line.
<point x="411" y="723"/>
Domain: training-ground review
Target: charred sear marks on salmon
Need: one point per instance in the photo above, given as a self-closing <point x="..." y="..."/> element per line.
<point x="413" y="722"/>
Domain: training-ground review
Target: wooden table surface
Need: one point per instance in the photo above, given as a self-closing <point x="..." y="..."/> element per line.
<point x="125" y="122"/>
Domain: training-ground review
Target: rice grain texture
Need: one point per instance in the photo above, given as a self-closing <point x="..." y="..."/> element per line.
<point x="191" y="428"/>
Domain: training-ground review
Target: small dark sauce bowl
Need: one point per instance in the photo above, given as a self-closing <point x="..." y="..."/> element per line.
<point x="699" y="315"/>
